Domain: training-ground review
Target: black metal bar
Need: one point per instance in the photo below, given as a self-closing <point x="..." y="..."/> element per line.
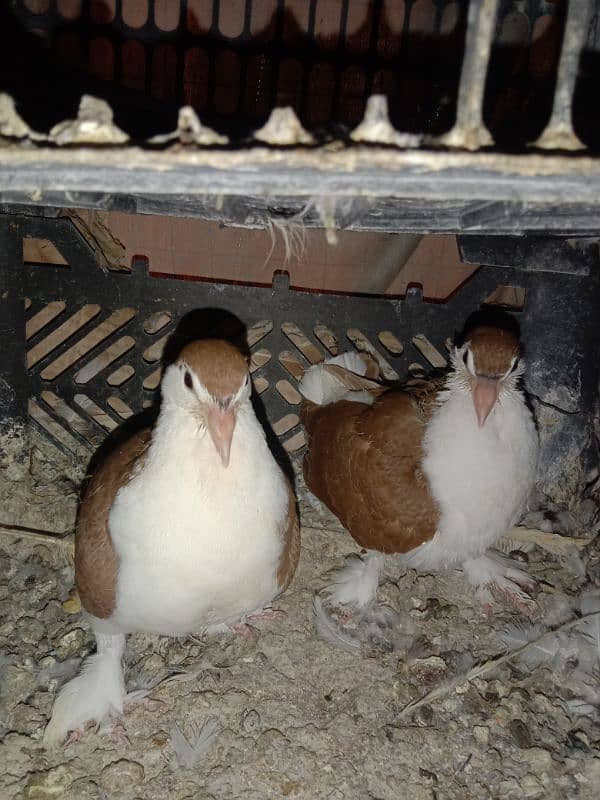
<point x="14" y="389"/>
<point x="469" y="131"/>
<point x="375" y="10"/>
<point x="307" y="66"/>
<point x="532" y="253"/>
<point x="561" y="333"/>
<point x="559" y="133"/>
<point x="341" y="49"/>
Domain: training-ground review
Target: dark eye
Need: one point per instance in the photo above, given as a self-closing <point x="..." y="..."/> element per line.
<point x="187" y="379"/>
<point x="465" y="356"/>
<point x="515" y="365"/>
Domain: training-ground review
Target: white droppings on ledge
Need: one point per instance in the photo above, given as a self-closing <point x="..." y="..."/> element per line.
<point x="12" y="125"/>
<point x="376" y="127"/>
<point x="190" y="131"/>
<point x="94" y="125"/>
<point x="283" y="128"/>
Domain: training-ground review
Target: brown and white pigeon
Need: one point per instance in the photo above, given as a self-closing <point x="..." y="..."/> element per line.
<point x="188" y="526"/>
<point x="437" y="471"/>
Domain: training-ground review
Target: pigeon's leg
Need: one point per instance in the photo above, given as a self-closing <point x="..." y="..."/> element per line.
<point x="97" y="691"/>
<point x="266" y="614"/>
<point x="75" y="735"/>
<point x="357" y="582"/>
<point x="220" y="628"/>
<point x="242" y="629"/>
<point x="244" y="626"/>
<point x="493" y="574"/>
<point x="116" y="730"/>
<point x="139" y="699"/>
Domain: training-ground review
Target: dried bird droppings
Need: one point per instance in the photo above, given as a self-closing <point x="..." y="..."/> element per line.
<point x="73" y="604"/>
<point x="297" y="717"/>
<point x="120" y="776"/>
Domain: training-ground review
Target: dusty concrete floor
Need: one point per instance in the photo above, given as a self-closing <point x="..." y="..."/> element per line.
<point x="298" y="717"/>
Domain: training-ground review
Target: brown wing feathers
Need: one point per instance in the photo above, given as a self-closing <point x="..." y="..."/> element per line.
<point x="290" y="533"/>
<point x="96" y="562"/>
<point x="364" y="462"/>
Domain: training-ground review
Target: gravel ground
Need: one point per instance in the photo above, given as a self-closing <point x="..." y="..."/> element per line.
<point x="284" y="713"/>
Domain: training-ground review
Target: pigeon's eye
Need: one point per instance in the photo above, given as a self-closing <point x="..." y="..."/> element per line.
<point x="187" y="379"/>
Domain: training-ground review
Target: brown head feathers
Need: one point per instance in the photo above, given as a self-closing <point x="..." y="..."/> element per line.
<point x="219" y="366"/>
<point x="494" y="350"/>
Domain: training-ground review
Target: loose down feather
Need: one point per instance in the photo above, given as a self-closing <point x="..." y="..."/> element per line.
<point x="189" y="752"/>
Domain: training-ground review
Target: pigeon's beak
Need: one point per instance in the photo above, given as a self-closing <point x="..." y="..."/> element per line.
<point x="485" y="394"/>
<point x="221" y="424"/>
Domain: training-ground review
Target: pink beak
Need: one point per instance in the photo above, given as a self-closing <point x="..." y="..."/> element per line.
<point x="220" y="426"/>
<point x="485" y="394"/>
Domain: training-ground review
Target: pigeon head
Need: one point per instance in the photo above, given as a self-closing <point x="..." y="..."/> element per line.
<point x="490" y="361"/>
<point x="210" y="380"/>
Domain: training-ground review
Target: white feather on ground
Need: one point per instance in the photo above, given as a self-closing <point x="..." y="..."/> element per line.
<point x="578" y="708"/>
<point x="520" y="633"/>
<point x="542" y="650"/>
<point x="59" y="673"/>
<point x="328" y="630"/>
<point x="591" y="631"/>
<point x="356" y="583"/>
<point x="589" y="656"/>
<point x="574" y="564"/>
<point x="557" y="609"/>
<point x="590" y="602"/>
<point x="517" y="654"/>
<point x="189" y="752"/>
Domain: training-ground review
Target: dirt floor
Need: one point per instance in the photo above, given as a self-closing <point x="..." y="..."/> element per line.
<point x="285" y="713"/>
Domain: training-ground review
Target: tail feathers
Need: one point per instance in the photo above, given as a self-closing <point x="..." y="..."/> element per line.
<point x="324" y="383"/>
<point x="351" y="361"/>
<point x="98" y="690"/>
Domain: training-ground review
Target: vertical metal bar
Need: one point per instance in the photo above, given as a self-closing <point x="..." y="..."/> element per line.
<point x="562" y="378"/>
<point x="308" y="65"/>
<point x="275" y="56"/>
<point x="468" y="131"/>
<point x="180" y="51"/>
<point x="558" y="133"/>
<point x="375" y="9"/>
<point x="342" y="48"/>
<point x="14" y="452"/>
<point x="244" y="60"/>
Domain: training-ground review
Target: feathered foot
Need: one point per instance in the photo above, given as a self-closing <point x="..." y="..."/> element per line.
<point x="494" y="575"/>
<point x="96" y="692"/>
